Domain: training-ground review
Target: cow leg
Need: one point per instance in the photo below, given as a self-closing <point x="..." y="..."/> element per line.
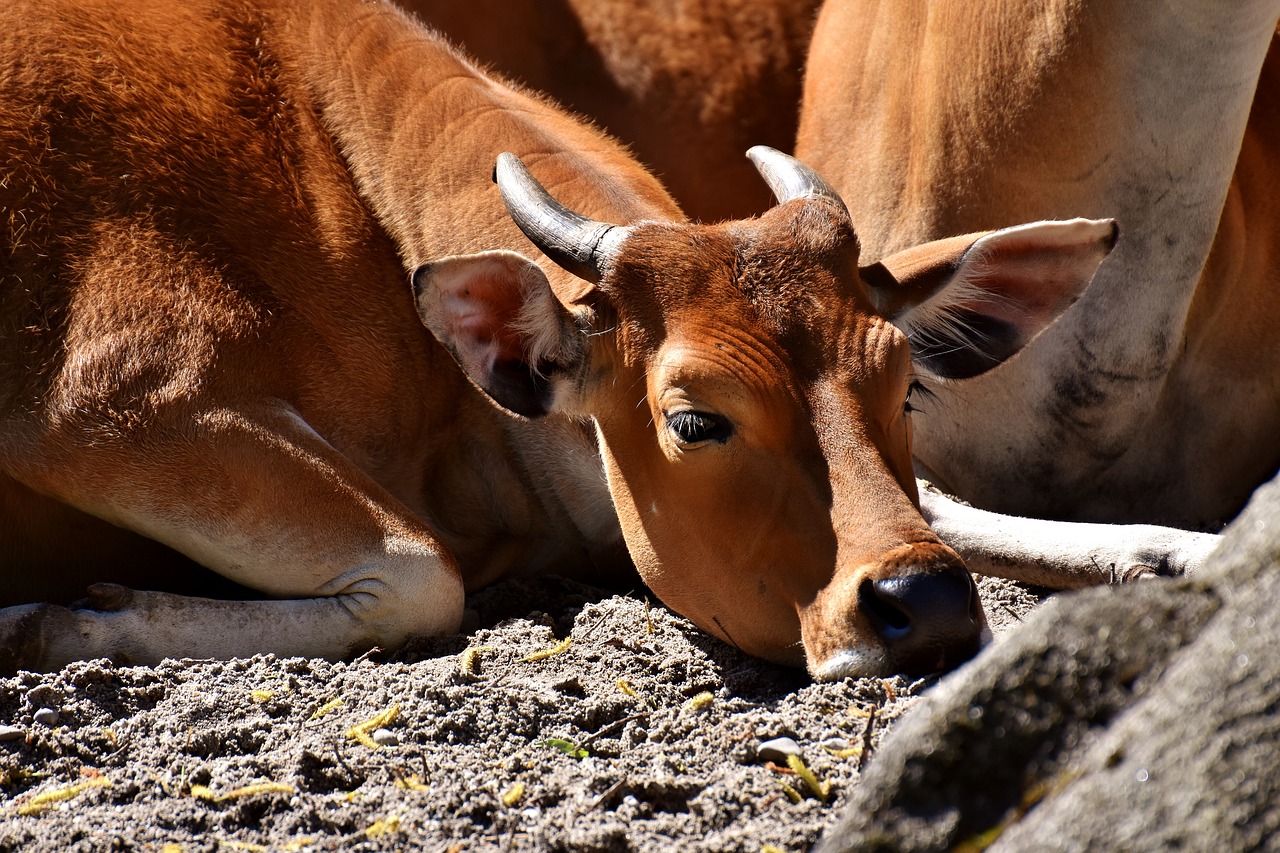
<point x="1061" y="554"/>
<point x="268" y="503"/>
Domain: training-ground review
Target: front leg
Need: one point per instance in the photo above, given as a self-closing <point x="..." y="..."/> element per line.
<point x="135" y="627"/>
<point x="1061" y="554"/>
<point x="267" y="502"/>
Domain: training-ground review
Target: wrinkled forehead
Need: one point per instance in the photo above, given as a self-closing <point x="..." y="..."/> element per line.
<point x="786" y="282"/>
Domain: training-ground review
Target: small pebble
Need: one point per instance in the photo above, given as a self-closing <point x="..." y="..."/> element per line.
<point x="836" y="743"/>
<point x="12" y="733"/>
<point x="384" y="737"/>
<point x="778" y="749"/>
<point x="46" y="717"/>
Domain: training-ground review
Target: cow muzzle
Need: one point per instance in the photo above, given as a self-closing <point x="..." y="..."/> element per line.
<point x="915" y="611"/>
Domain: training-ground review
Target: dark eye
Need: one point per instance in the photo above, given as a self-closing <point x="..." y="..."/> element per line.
<point x="698" y="427"/>
<point x="916" y="392"/>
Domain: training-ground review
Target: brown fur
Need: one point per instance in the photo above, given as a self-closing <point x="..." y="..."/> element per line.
<point x="213" y="212"/>
<point x="1156" y="399"/>
<point x="688" y="84"/>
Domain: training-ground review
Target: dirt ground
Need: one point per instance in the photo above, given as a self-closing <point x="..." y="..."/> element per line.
<point x="571" y="719"/>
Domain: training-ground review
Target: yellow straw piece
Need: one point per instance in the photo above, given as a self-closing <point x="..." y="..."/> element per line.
<point x="331" y="705"/>
<point x="47" y="800"/>
<point x="797" y="764"/>
<point x="360" y="731"/>
<point x="559" y="648"/>
<point x="702" y="700"/>
<point x="382" y="826"/>
<point x="412" y="783"/>
<point x="513" y="795"/>
<point x="201" y="792"/>
<point x="467" y="663"/>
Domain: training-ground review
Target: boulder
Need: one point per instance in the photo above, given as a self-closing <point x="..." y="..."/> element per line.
<point x="1141" y="717"/>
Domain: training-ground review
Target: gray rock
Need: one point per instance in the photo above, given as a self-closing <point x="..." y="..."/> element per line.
<point x="46" y="717"/>
<point x="384" y="737"/>
<point x="12" y="733"/>
<point x="1138" y="718"/>
<point x="778" y="749"/>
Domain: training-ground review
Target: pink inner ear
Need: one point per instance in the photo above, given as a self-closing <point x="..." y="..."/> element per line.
<point x="1008" y="286"/>
<point x="496" y="313"/>
<point x="480" y="308"/>
<point x="1020" y="282"/>
<point x="1027" y="275"/>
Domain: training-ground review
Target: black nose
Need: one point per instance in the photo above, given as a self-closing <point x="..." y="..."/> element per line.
<point x="929" y="620"/>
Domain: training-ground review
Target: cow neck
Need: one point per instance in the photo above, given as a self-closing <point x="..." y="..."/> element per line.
<point x="512" y="496"/>
<point x="421" y="129"/>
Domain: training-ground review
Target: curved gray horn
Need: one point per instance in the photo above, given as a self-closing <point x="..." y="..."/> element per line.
<point x="790" y="179"/>
<point x="580" y="245"/>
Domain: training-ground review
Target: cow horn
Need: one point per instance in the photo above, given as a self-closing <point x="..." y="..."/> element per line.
<point x="580" y="245"/>
<point x="790" y="179"/>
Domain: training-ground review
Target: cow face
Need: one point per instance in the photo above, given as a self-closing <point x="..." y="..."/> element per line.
<point x="750" y="392"/>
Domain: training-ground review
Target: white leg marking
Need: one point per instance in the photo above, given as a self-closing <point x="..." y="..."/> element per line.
<point x="1062" y="554"/>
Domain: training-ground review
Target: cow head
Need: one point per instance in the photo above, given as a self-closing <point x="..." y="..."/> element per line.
<point x="750" y="387"/>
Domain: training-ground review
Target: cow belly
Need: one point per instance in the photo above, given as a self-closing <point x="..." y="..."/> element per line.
<point x="52" y="552"/>
<point x="1180" y="464"/>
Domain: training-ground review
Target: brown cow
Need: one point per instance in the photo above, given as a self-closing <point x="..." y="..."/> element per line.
<point x="1155" y="399"/>
<point x="688" y="84"/>
<point x="209" y="341"/>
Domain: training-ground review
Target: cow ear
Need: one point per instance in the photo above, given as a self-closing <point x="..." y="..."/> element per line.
<point x="969" y="303"/>
<point x="495" y="312"/>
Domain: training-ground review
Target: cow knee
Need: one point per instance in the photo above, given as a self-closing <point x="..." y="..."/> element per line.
<point x="411" y="597"/>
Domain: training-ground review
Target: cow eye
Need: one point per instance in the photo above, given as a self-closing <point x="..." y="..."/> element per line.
<point x="916" y="392"/>
<point x="698" y="427"/>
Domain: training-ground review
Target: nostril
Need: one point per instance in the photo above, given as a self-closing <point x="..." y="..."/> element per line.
<point x="879" y="602"/>
<point x="929" y="620"/>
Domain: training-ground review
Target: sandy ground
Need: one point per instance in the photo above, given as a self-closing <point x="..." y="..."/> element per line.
<point x="571" y="719"/>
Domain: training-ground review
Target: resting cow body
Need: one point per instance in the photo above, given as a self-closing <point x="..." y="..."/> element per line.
<point x="213" y="215"/>
<point x="1156" y="398"/>
<point x="689" y="85"/>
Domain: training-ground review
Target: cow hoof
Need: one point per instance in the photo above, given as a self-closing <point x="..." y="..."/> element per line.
<point x="109" y="596"/>
<point x="104" y="596"/>
<point x="1134" y="572"/>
